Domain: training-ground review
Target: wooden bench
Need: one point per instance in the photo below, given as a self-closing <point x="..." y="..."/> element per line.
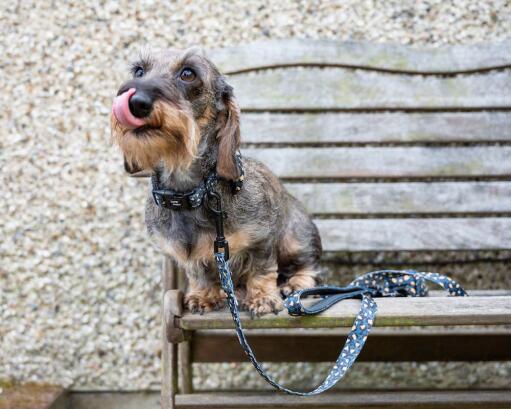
<point x="391" y="149"/>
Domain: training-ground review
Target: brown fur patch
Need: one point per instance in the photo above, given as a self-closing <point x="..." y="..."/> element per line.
<point x="290" y="245"/>
<point x="202" y="249"/>
<point x="238" y="241"/>
<point x="205" y="118"/>
<point x="304" y="278"/>
<point x="263" y="295"/>
<point x="171" y="136"/>
<point x="200" y="299"/>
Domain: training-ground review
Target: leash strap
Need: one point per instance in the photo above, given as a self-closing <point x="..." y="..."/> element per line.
<point x="384" y="283"/>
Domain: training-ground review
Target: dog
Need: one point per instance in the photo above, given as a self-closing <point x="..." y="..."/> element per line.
<point x="178" y="118"/>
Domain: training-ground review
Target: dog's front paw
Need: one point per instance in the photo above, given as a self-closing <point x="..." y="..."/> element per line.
<point x="205" y="300"/>
<point x="299" y="281"/>
<point x="258" y="306"/>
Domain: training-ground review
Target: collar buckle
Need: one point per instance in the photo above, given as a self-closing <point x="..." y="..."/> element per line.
<point x="173" y="201"/>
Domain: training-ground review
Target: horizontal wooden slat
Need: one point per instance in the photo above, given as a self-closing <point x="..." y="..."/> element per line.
<point x="346" y="399"/>
<point x="323" y="346"/>
<point x="378" y="127"/>
<point x="339" y="88"/>
<point x="452" y="59"/>
<point x="423" y="311"/>
<point x="402" y="198"/>
<point x="415" y="234"/>
<point x="388" y="162"/>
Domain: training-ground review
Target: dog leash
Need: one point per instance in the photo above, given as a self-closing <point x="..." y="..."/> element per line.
<point x="383" y="283"/>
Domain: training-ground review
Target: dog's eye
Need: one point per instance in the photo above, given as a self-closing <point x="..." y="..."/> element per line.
<point x="187" y="75"/>
<point x="138" y="72"/>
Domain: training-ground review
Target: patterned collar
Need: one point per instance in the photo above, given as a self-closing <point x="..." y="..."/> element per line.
<point x="192" y="199"/>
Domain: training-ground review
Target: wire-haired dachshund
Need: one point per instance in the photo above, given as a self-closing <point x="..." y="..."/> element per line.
<point x="177" y="117"/>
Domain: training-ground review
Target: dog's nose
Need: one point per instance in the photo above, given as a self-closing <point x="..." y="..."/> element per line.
<point x="140" y="104"/>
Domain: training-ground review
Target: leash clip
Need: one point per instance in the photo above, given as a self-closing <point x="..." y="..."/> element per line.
<point x="214" y="204"/>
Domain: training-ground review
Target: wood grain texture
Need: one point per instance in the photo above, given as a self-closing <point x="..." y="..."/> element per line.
<point x="403" y="198"/>
<point x="439" y="344"/>
<point x="415" y="234"/>
<point x="185" y="367"/>
<point x="400" y="58"/>
<point x="377" y="127"/>
<point x="173" y="308"/>
<point x="31" y="396"/>
<point x="169" y="351"/>
<point x="340" y="88"/>
<point x="388" y="162"/>
<point x="423" y="311"/>
<point x="345" y="399"/>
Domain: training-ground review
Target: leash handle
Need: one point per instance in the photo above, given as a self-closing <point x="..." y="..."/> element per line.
<point x="391" y="283"/>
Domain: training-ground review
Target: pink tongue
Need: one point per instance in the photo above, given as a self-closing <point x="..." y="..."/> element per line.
<point x="121" y="110"/>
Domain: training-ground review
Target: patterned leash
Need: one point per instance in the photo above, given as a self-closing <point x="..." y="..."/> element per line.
<point x="384" y="283"/>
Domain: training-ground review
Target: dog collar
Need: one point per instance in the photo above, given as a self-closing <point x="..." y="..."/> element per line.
<point x="192" y="199"/>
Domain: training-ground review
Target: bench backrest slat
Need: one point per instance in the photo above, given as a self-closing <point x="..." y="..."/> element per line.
<point x="299" y="88"/>
<point x="375" y="127"/>
<point x="396" y="58"/>
<point x="401" y="198"/>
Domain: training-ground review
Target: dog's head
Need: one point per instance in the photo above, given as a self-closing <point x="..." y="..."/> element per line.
<point x="174" y="99"/>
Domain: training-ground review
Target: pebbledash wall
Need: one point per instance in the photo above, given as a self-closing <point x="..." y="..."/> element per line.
<point x="79" y="282"/>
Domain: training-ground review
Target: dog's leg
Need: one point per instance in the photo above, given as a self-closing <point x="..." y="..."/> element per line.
<point x="305" y="277"/>
<point x="263" y="295"/>
<point x="204" y="296"/>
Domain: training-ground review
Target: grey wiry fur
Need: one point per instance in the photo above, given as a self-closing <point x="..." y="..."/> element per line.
<point x="270" y="235"/>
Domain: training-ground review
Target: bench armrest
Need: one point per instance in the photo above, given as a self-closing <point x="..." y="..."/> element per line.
<point x="172" y="309"/>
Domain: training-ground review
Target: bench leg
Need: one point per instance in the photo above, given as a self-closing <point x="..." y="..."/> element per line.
<point x="169" y="376"/>
<point x="185" y="368"/>
<point x="169" y="354"/>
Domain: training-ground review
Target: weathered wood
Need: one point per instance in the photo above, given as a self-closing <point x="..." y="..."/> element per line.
<point x="169" y="275"/>
<point x="30" y="396"/>
<point x="385" y="162"/>
<point x="376" y="127"/>
<point x="169" y="350"/>
<point x="400" y="58"/>
<point x="415" y="234"/>
<point x="423" y="311"/>
<point x="169" y="385"/>
<point x="346" y="399"/>
<point x="185" y="367"/>
<point x="402" y="198"/>
<point x="173" y="309"/>
<point x="437" y="344"/>
<point x="338" y="88"/>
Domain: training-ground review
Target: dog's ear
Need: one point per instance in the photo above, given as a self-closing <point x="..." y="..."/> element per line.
<point x="228" y="132"/>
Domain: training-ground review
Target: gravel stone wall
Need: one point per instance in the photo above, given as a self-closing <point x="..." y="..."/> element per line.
<point x="79" y="282"/>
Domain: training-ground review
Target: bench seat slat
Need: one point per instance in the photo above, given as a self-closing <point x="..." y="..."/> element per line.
<point x="423" y="311"/>
<point x="401" y="58"/>
<point x="415" y="234"/>
<point x="402" y="198"/>
<point x="376" y="127"/>
<point x="348" y="399"/>
<point x="385" y="162"/>
<point x="294" y="89"/>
